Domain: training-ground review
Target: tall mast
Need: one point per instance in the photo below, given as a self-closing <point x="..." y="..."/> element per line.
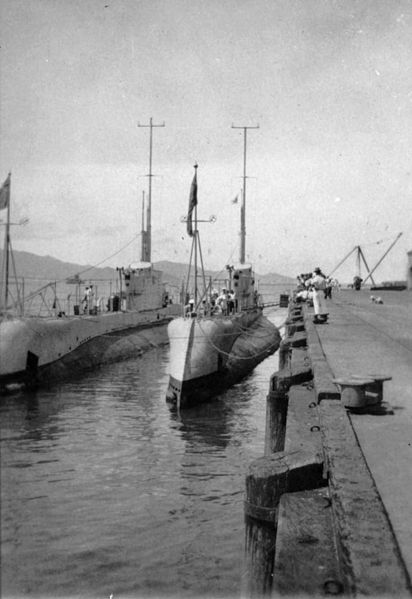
<point x="143" y="231"/>
<point x="6" y="259"/>
<point x="7" y="255"/>
<point x="243" y="207"/>
<point x="196" y="241"/>
<point x="148" y="255"/>
<point x="196" y="250"/>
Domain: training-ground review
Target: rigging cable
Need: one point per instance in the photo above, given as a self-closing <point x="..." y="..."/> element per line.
<point x="34" y="293"/>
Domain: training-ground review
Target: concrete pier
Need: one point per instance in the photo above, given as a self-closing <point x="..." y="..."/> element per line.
<point x="331" y="497"/>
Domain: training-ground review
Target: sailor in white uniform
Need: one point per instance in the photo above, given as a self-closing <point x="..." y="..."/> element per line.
<point x="318" y="284"/>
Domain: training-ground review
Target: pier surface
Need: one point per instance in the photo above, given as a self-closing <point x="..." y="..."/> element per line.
<point x="365" y="337"/>
<point x="339" y="438"/>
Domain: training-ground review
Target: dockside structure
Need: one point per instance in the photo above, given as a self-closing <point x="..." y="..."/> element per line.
<point x="315" y="523"/>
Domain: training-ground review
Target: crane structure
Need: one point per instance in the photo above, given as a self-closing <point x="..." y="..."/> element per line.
<point x="360" y="256"/>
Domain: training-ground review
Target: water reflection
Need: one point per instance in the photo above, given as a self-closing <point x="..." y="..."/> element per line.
<point x="106" y="490"/>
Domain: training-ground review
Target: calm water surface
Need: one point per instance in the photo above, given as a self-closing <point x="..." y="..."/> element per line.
<point x="106" y="491"/>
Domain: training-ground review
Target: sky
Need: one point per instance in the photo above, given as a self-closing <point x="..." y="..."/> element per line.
<point x="329" y="168"/>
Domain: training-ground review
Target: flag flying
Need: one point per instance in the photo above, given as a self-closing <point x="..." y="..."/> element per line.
<point x="235" y="199"/>
<point x="192" y="203"/>
<point x="5" y="193"/>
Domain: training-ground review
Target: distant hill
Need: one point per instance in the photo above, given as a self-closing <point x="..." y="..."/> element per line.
<point x="47" y="268"/>
<point x="32" y="266"/>
<point x="275" y="279"/>
<point x="178" y="271"/>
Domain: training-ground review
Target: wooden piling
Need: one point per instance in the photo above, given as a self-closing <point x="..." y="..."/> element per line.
<point x="276" y="411"/>
<point x="267" y="480"/>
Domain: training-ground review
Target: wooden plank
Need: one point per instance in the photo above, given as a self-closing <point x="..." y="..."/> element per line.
<point x="322" y="381"/>
<point x="303" y="424"/>
<point x="370" y="560"/>
<point x="300" y="365"/>
<point x="322" y="373"/>
<point x="294" y="317"/>
<point x="300" y="358"/>
<point x="298" y="339"/>
<point x="306" y="560"/>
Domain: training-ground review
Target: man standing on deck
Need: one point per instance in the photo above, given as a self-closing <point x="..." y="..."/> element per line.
<point x="318" y="284"/>
<point x="222" y="301"/>
<point x="86" y="301"/>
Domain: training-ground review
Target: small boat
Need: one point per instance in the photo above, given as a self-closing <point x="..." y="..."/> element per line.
<point x="39" y="349"/>
<point x="218" y="340"/>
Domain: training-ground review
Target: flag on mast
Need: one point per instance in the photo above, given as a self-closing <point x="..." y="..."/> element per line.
<point x="192" y="203"/>
<point x="5" y="193"/>
<point x="237" y="196"/>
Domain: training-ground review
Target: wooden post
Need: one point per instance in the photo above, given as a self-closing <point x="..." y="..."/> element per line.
<point x="259" y="558"/>
<point x="267" y="480"/>
<point x="276" y="411"/>
<point x="276" y="414"/>
<point x="284" y="355"/>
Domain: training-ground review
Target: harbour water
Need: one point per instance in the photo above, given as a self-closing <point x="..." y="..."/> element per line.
<point x="106" y="491"/>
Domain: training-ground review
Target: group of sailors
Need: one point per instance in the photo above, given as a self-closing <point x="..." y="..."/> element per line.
<point x="316" y="287"/>
<point x="91" y="304"/>
<point x="224" y="303"/>
<point x="90" y="301"/>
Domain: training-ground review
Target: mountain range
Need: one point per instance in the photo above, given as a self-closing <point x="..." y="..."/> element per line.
<point x="46" y="268"/>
